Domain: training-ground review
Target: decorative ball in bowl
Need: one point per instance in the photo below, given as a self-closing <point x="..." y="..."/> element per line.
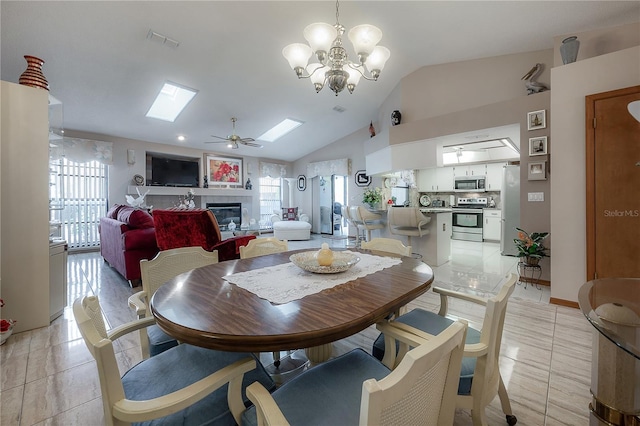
<point x="309" y="262"/>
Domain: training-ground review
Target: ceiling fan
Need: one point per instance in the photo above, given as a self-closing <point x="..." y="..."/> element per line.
<point x="233" y="140"/>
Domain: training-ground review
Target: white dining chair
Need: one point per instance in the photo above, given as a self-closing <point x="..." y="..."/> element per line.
<point x="166" y="265"/>
<point x="355" y="388"/>
<point x="480" y="380"/>
<point x="183" y="385"/>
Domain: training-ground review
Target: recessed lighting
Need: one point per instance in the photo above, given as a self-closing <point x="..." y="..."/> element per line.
<point x="181" y="138"/>
<point x="170" y="102"/>
<point x="279" y="130"/>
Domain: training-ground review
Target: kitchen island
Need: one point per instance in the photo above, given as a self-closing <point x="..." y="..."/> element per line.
<point x="435" y="247"/>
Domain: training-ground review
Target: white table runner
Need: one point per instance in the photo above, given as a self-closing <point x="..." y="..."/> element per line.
<point x="286" y="282"/>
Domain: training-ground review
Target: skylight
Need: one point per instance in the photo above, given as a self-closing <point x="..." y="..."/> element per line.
<point x="170" y="102"/>
<point x="279" y="130"/>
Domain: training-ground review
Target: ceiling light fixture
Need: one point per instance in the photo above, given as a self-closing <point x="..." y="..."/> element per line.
<point x="333" y="64"/>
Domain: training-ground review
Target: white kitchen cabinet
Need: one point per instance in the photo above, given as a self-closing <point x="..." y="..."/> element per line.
<point x="444" y="179"/>
<point x="427" y="180"/>
<point x="494" y="176"/>
<point x="470" y="170"/>
<point x="491" y="228"/>
<point x="435" y="179"/>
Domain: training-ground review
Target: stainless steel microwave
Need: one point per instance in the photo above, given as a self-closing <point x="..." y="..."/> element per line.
<point x="469" y="183"/>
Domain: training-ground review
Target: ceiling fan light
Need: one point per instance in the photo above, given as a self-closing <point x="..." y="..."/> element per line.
<point x="377" y="60"/>
<point x="298" y="55"/>
<point x="320" y="36"/>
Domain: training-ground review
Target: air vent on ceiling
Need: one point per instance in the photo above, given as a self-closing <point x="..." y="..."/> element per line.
<point x="339" y="108"/>
<point x="162" y="39"/>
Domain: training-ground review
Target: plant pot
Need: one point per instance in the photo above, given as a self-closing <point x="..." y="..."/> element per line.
<point x="531" y="260"/>
<point x="4" y="335"/>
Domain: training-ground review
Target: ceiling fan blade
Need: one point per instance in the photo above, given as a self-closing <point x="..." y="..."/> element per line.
<point x="247" y="140"/>
<point x="223" y="141"/>
<point x="220" y="137"/>
<point x="255" y="145"/>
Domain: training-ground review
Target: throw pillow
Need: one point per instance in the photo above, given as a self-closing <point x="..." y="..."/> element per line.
<point x="113" y="211"/>
<point x="289" y="213"/>
<point x="135" y="218"/>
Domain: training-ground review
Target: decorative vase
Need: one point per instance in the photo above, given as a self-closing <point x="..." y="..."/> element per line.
<point x="569" y="49"/>
<point x="33" y="76"/>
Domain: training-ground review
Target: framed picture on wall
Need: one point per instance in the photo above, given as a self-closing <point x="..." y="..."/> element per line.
<point x="223" y="170"/>
<point x="537" y="146"/>
<point x="362" y="179"/>
<point x="537" y="170"/>
<point x="302" y="183"/>
<point x="536" y="120"/>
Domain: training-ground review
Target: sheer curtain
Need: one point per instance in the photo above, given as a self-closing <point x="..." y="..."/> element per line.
<point x="82" y="193"/>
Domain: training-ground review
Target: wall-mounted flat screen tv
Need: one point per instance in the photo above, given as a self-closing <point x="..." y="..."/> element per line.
<point x="174" y="172"/>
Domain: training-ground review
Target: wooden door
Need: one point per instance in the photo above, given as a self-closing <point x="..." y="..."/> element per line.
<point x="613" y="185"/>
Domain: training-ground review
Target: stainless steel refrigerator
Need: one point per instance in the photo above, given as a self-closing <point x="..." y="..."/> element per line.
<point x="510" y="205"/>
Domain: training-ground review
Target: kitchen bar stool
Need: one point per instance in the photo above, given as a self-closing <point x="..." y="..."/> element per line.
<point x="369" y="221"/>
<point x="408" y="221"/>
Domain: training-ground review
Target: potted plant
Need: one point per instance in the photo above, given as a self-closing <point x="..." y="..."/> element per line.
<point x="6" y="327"/>
<point x="373" y="197"/>
<point x="530" y="246"/>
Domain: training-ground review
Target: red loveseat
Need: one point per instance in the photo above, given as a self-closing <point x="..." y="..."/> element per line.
<point x="127" y="235"/>
<point x="177" y="228"/>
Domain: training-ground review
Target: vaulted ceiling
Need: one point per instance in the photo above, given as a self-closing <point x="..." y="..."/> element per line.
<point x="101" y="65"/>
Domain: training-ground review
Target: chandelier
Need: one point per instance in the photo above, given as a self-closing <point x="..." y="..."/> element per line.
<point x="334" y="67"/>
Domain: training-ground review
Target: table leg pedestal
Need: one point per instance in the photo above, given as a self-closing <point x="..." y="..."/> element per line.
<point x="318" y="354"/>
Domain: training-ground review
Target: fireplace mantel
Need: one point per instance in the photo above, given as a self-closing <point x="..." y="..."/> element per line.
<point x="202" y="192"/>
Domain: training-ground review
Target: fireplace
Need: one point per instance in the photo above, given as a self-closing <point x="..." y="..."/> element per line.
<point x="225" y="213"/>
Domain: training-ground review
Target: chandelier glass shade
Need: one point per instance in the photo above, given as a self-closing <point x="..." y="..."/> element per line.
<point x="333" y="67"/>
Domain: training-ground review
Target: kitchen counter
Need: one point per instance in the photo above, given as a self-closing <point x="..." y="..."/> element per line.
<point x="429" y="210"/>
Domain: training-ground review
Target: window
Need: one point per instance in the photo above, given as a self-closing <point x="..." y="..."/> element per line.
<point x="270" y="198"/>
<point x="84" y="196"/>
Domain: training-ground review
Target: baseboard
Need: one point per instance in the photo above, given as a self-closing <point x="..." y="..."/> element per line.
<point x="562" y="302"/>
<point x="534" y="281"/>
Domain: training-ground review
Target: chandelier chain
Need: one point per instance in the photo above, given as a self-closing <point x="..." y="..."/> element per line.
<point x="337" y="12"/>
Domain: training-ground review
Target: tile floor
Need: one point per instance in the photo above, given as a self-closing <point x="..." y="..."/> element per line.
<point x="49" y="378"/>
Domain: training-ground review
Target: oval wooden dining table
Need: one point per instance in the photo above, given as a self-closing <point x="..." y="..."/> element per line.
<point x="199" y="307"/>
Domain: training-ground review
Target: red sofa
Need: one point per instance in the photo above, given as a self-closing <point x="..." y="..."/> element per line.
<point x="177" y="228"/>
<point x="127" y="235"/>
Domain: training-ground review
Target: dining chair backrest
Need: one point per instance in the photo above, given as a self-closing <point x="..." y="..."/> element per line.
<point x="388" y="245"/>
<point x="263" y="246"/>
<point x="422" y="388"/>
<point x="170" y="263"/>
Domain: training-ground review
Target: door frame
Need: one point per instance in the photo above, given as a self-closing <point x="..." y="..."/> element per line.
<point x="590" y="106"/>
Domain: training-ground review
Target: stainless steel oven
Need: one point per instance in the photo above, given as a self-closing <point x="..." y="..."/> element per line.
<point x="467" y="219"/>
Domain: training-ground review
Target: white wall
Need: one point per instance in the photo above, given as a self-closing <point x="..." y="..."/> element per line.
<point x="121" y="173"/>
<point x="572" y="83"/>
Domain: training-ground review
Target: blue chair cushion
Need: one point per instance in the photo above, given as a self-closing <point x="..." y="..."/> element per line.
<point x="159" y="341"/>
<point x="328" y="394"/>
<point x="433" y="323"/>
<point x="181" y="366"/>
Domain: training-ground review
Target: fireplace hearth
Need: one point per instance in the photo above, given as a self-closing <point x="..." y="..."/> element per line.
<point x="225" y="213"/>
